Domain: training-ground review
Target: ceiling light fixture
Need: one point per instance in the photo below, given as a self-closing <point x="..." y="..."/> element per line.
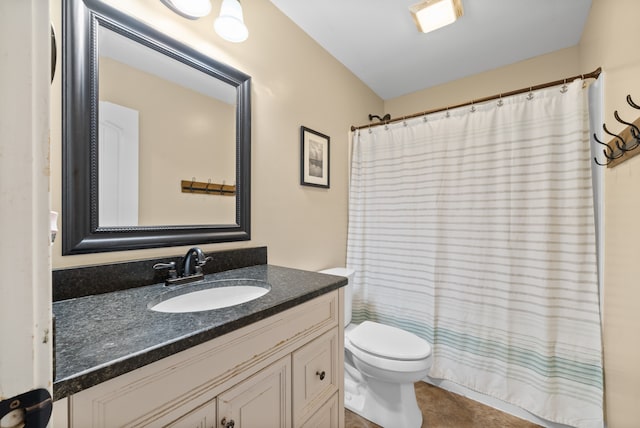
<point x="191" y="9"/>
<point x="430" y="15"/>
<point x="230" y="23"/>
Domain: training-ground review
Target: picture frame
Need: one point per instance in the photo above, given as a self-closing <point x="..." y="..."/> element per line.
<point x="314" y="158"/>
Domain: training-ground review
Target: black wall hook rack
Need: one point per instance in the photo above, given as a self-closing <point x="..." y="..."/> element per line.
<point x="623" y="145"/>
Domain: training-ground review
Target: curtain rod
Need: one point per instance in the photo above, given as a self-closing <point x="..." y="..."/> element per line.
<point x="593" y="75"/>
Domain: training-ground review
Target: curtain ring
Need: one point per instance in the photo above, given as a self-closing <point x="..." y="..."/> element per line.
<point x="206" y="189"/>
<point x="404" y="120"/>
<point x="473" y="107"/>
<point x="500" y="102"/>
<point x="530" y="96"/>
<point x="448" y="114"/>
<point x="193" y="180"/>
<point x="424" y="118"/>
<point x="564" y="87"/>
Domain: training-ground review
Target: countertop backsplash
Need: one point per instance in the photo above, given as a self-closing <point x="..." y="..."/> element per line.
<point x="83" y="281"/>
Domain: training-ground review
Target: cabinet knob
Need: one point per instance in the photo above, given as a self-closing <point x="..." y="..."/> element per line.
<point x="226" y="424"/>
<point x="321" y="374"/>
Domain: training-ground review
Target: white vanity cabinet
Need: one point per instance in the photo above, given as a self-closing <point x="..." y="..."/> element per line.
<point x="283" y="371"/>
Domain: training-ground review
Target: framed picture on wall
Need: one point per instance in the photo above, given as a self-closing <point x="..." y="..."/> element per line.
<point x="314" y="162"/>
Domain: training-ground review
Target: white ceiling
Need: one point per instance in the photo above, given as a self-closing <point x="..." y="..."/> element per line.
<point x="378" y="41"/>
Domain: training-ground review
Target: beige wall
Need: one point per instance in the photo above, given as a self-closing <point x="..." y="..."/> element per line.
<point x="182" y="134"/>
<point x="611" y="40"/>
<point x="294" y="83"/>
<point x="541" y="69"/>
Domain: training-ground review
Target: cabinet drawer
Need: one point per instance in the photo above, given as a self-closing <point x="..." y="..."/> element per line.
<point x="315" y="375"/>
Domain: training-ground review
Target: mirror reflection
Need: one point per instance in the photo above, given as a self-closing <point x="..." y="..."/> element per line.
<point x="161" y="123"/>
<point x="143" y="114"/>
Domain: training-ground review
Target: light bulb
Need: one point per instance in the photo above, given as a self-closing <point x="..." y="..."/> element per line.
<point x="230" y="24"/>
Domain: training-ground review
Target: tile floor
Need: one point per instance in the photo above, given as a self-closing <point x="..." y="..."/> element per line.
<point x="444" y="409"/>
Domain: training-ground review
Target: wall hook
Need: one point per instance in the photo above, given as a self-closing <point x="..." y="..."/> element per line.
<point x="622" y="148"/>
<point x="611" y="156"/>
<point x="631" y="103"/>
<point x="633" y="129"/>
<point x="626" y="141"/>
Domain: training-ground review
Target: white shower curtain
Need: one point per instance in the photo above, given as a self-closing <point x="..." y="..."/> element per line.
<point x="474" y="229"/>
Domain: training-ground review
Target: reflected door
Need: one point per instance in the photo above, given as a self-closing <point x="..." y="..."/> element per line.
<point x="118" y="166"/>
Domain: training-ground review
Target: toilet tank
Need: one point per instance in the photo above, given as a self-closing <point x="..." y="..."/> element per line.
<point x="348" y="289"/>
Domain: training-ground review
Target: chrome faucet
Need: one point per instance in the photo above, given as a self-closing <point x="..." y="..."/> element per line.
<point x="191" y="269"/>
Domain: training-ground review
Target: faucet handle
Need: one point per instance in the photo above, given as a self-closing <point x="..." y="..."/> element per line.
<point x="171" y="266"/>
<point x="202" y="263"/>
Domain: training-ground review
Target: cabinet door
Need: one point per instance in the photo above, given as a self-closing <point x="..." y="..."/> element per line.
<point x="202" y="417"/>
<point x="326" y="416"/>
<point x="262" y="401"/>
<point x="315" y="375"/>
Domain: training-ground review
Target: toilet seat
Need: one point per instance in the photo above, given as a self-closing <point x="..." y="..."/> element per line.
<point x="389" y="342"/>
<point x="388" y="347"/>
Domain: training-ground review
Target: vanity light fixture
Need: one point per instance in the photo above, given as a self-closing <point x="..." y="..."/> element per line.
<point x="230" y="24"/>
<point x="430" y="15"/>
<point x="191" y="9"/>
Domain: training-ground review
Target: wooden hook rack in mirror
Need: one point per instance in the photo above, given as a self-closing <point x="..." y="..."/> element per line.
<point x="192" y="186"/>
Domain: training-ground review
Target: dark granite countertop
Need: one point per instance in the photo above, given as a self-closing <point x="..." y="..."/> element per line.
<point x="103" y="336"/>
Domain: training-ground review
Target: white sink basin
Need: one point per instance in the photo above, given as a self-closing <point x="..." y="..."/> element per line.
<point x="210" y="295"/>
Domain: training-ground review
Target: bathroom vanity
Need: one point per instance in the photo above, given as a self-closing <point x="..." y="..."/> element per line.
<point x="273" y="362"/>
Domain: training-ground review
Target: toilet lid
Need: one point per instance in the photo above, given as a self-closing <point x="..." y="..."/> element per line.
<point x="389" y="342"/>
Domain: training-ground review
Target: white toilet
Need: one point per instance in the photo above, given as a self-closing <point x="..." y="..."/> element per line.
<point x="381" y="365"/>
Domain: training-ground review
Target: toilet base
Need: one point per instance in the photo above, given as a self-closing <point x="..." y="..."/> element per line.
<point x="390" y="405"/>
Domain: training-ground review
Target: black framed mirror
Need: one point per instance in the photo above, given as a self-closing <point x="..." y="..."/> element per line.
<point x="123" y="179"/>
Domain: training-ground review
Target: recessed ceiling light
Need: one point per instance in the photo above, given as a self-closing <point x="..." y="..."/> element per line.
<point x="430" y="15"/>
